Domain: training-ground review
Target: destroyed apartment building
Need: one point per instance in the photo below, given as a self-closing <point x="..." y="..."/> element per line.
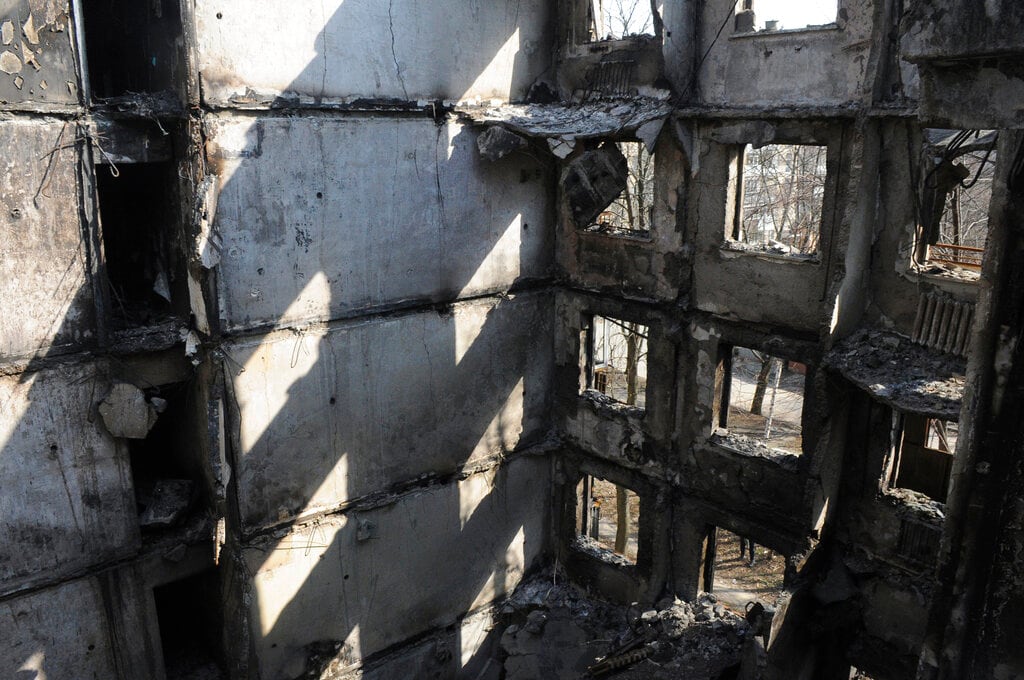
<point x="510" y="339"/>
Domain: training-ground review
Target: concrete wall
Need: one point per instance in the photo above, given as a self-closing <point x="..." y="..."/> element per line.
<point x="39" y="66"/>
<point x="827" y="66"/>
<point x="761" y="287"/>
<point x="45" y="274"/>
<point x="343" y="243"/>
<point x="405" y="51"/>
<point x="381" y="424"/>
<point x="381" y="370"/>
<point x="368" y="404"/>
<point x="406" y="278"/>
<point x="68" y="501"/>
<point x="371" y="579"/>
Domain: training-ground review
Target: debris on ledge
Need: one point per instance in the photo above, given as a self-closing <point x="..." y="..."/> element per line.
<point x="589" y="120"/>
<point x="900" y="373"/>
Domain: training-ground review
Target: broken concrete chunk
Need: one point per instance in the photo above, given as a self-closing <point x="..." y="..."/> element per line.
<point x="126" y="413"/>
<point x="9" y="62"/>
<point x="171" y="498"/>
<point x="7" y="32"/>
<point x="593" y="181"/>
<point x="191" y="340"/>
<point x="43" y="85"/>
<point x="161" y="285"/>
<point x="561" y="146"/>
<point x="18" y="81"/>
<point x="648" y="133"/>
<point x="757" y="134"/>
<point x="496" y="142"/>
<point x="29" y="28"/>
<point x="208" y="243"/>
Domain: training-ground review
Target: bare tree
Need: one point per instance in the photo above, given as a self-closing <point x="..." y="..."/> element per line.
<point x="631" y="211"/>
<point x="783" y="194"/>
<point x="620" y="18"/>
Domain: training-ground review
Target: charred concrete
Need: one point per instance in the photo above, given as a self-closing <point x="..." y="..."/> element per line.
<point x="333" y="334"/>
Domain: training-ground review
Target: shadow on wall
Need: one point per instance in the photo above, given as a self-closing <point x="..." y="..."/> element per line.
<point x="323" y="218"/>
<point x="325" y="415"/>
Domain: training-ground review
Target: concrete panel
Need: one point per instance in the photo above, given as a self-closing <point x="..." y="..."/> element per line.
<point x="44" y="296"/>
<point x="819" y="67"/>
<point x="67" y="497"/>
<point x="322" y="217"/>
<point x="343" y="51"/>
<point x="57" y="633"/>
<point x="37" y="62"/>
<point x="947" y="29"/>
<point x="326" y="417"/>
<point x="458" y="547"/>
<point x="760" y="289"/>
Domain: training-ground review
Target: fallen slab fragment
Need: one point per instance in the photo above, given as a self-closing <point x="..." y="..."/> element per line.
<point x="126" y="412"/>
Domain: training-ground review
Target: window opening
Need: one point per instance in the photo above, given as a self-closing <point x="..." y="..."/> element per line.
<point x="618" y="19"/>
<point x="132" y="47"/>
<point x="775" y="15"/>
<point x="782" y="194"/>
<point x="607" y="518"/>
<point x="618" y="366"/>
<point x="164" y="465"/>
<point x="137" y="209"/>
<point x="764" y="399"/>
<point x="737" y="578"/>
<point x="631" y="212"/>
<point x="925" y="456"/>
<point x="191" y="627"/>
<point x="957" y="190"/>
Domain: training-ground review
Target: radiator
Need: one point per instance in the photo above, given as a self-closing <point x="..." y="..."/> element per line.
<point x="943" y="325"/>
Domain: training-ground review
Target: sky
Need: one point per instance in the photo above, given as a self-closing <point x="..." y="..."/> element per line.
<point x="795" y="13"/>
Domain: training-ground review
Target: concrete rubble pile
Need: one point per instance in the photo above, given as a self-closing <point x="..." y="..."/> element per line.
<point x="559" y="631"/>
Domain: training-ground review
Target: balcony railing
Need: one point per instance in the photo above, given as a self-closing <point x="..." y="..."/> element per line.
<point x="961" y="256"/>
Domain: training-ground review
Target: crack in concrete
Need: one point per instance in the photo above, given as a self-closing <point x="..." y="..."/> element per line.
<point x="394" y="54"/>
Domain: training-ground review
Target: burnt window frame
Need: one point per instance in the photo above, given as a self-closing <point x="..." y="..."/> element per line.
<point x="579" y="560"/>
<point x="629" y="234"/>
<point x="587" y="379"/>
<point x="581" y="34"/>
<point x="932" y="198"/>
<point x="904" y="422"/>
<point x="737" y="169"/>
<point x="723" y="392"/>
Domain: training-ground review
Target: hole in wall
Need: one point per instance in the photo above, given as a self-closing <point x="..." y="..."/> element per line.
<point x="925" y="454"/>
<point x="778" y="15"/>
<point x="137" y="214"/>
<point x="618" y="19"/>
<point x="132" y="47"/>
<point x="779" y="207"/>
<point x="166" y="465"/>
<point x="959" y="169"/>
<point x="191" y="627"/>
<point x="632" y="211"/>
<point x="743" y="571"/>
<point x="618" y="359"/>
<point x="607" y="520"/>
<point x="763" y="400"/>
